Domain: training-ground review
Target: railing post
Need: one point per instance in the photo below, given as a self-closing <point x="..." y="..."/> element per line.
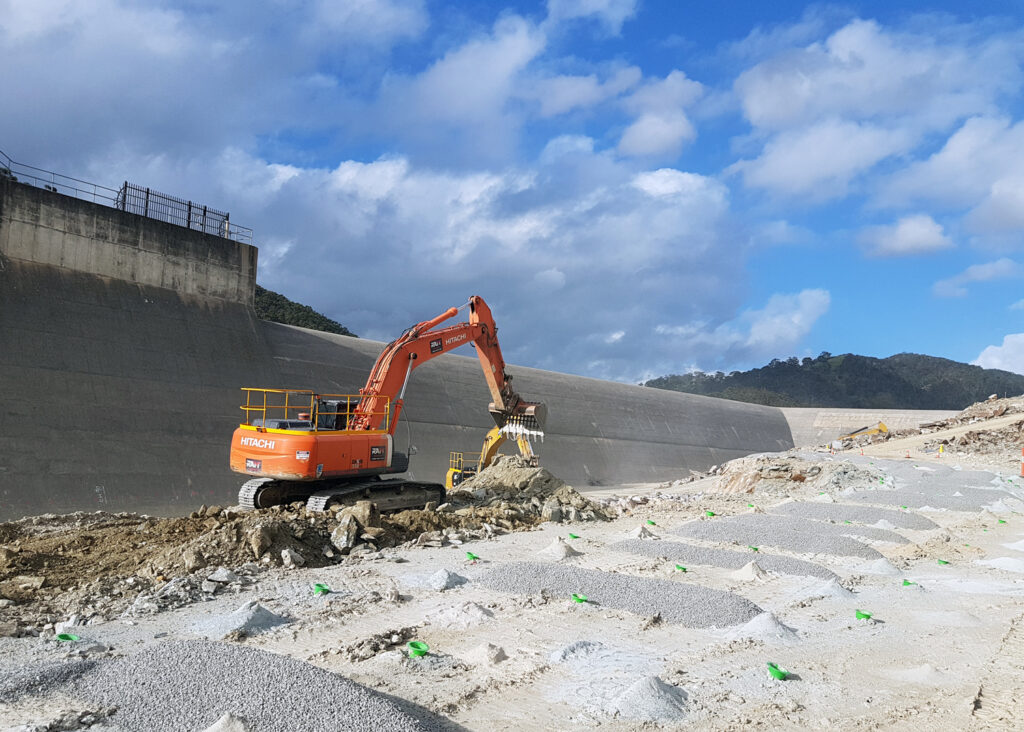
<point x="146" y="207"/>
<point x="188" y="216"/>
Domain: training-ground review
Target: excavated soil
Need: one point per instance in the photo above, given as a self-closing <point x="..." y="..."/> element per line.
<point x="104" y="562"/>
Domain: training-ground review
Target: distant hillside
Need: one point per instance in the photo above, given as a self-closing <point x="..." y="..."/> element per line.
<point x="278" y="308"/>
<point x="903" y="381"/>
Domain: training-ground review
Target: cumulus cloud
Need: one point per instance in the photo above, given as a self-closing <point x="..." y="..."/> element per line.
<point x="956" y="286"/>
<point x="831" y="111"/>
<point x="863" y="71"/>
<point x="1009" y="356"/>
<point x="820" y="161"/>
<point x="756" y="334"/>
<point x="610" y="250"/>
<point x="561" y="94"/>
<point x="1019" y="305"/>
<point x="610" y="13"/>
<point x="916" y="234"/>
<point x="661" y="126"/>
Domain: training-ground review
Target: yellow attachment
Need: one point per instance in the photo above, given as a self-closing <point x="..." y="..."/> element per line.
<point x="874" y="429"/>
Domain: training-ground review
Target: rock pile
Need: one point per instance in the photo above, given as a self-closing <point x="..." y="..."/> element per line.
<point x="527" y="493"/>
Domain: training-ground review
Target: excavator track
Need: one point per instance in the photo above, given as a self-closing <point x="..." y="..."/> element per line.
<point x="267" y="492"/>
<point x="389" y="495"/>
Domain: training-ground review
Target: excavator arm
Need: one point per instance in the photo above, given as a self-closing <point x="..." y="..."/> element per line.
<point x="424" y="341"/>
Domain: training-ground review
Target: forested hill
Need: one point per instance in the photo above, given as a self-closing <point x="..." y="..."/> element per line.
<point x="903" y="381"/>
<point x="278" y="308"/>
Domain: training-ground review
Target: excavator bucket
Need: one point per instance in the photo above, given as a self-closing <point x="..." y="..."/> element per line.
<point x="525" y="419"/>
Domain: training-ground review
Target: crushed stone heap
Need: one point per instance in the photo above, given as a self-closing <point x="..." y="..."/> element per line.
<point x="531" y="489"/>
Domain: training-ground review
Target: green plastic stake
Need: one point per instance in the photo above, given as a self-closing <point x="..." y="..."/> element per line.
<point x="579" y="598"/>
<point x="320" y="589"/>
<point x="753" y="548"/>
<point x="471" y="556"/>
<point x="680" y="568"/>
<point x="777" y="672"/>
<point x="942" y="561"/>
<point x="573" y="536"/>
<point x="651" y="523"/>
<point x="863" y="615"/>
<point x="1002" y="521"/>
<point x="908" y="583"/>
<point x="847" y="522"/>
<point x="66" y="637"/>
<point x="904" y="508"/>
<point x="750" y="505"/>
<point x="417" y="649"/>
<point x="709" y="513"/>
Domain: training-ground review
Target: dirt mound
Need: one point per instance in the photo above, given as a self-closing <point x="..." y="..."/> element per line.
<point x="744" y="475"/>
<point x="983" y="442"/>
<point x="533" y="492"/>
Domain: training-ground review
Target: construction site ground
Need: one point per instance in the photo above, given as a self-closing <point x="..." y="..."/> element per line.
<point x="800" y="547"/>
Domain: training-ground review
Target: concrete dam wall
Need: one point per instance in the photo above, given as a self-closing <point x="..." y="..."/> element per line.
<point x="124" y="341"/>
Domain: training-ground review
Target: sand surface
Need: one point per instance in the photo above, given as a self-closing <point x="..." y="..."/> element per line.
<point x="941" y="649"/>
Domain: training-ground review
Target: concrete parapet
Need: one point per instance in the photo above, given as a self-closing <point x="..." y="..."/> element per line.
<point x="44" y="227"/>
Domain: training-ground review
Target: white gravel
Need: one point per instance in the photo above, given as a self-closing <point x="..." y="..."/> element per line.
<point x="692" y="554"/>
<point x="859" y="514"/>
<point x="676" y="602"/>
<point x="777" y="531"/>
<point x="189" y="685"/>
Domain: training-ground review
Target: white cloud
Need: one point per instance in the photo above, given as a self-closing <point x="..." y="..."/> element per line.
<point x="820" y="161"/>
<point x="377" y="21"/>
<point x="827" y="113"/>
<point x="785" y="320"/>
<point x="916" y="234"/>
<point x="607" y="248"/>
<point x="561" y="94"/>
<point x="1008" y="357"/>
<point x="956" y="286"/>
<point x="1002" y="211"/>
<point x="1019" y="305"/>
<point x="661" y="127"/>
<point x="756" y="334"/>
<point x="611" y="13"/>
<point x="863" y="71"/>
<point x="961" y="174"/>
<point x="656" y="134"/>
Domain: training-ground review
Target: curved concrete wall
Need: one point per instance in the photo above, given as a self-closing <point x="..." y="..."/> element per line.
<point x="820" y="425"/>
<point x="123" y="395"/>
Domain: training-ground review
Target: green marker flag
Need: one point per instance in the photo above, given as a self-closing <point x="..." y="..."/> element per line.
<point x="471" y="556"/>
<point x="573" y="536"/>
<point x="680" y="568"/>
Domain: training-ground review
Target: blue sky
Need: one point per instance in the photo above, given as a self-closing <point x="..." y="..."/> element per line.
<point x="637" y="187"/>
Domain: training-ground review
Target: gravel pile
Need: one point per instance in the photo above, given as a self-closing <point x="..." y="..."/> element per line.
<point x="651" y="699"/>
<point x="189" y="685"/>
<point x="250" y="619"/>
<point x="38" y="680"/>
<point x="971" y="499"/>
<point x="676" y="602"/>
<point x="777" y="531"/>
<point x="689" y="554"/>
<point x="858" y="514"/>
<point x="793" y="523"/>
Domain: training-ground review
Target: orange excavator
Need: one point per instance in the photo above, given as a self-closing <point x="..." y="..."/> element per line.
<point x="336" y="448"/>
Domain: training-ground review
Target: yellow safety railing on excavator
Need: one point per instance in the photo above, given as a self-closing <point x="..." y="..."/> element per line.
<point x="291" y="410"/>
